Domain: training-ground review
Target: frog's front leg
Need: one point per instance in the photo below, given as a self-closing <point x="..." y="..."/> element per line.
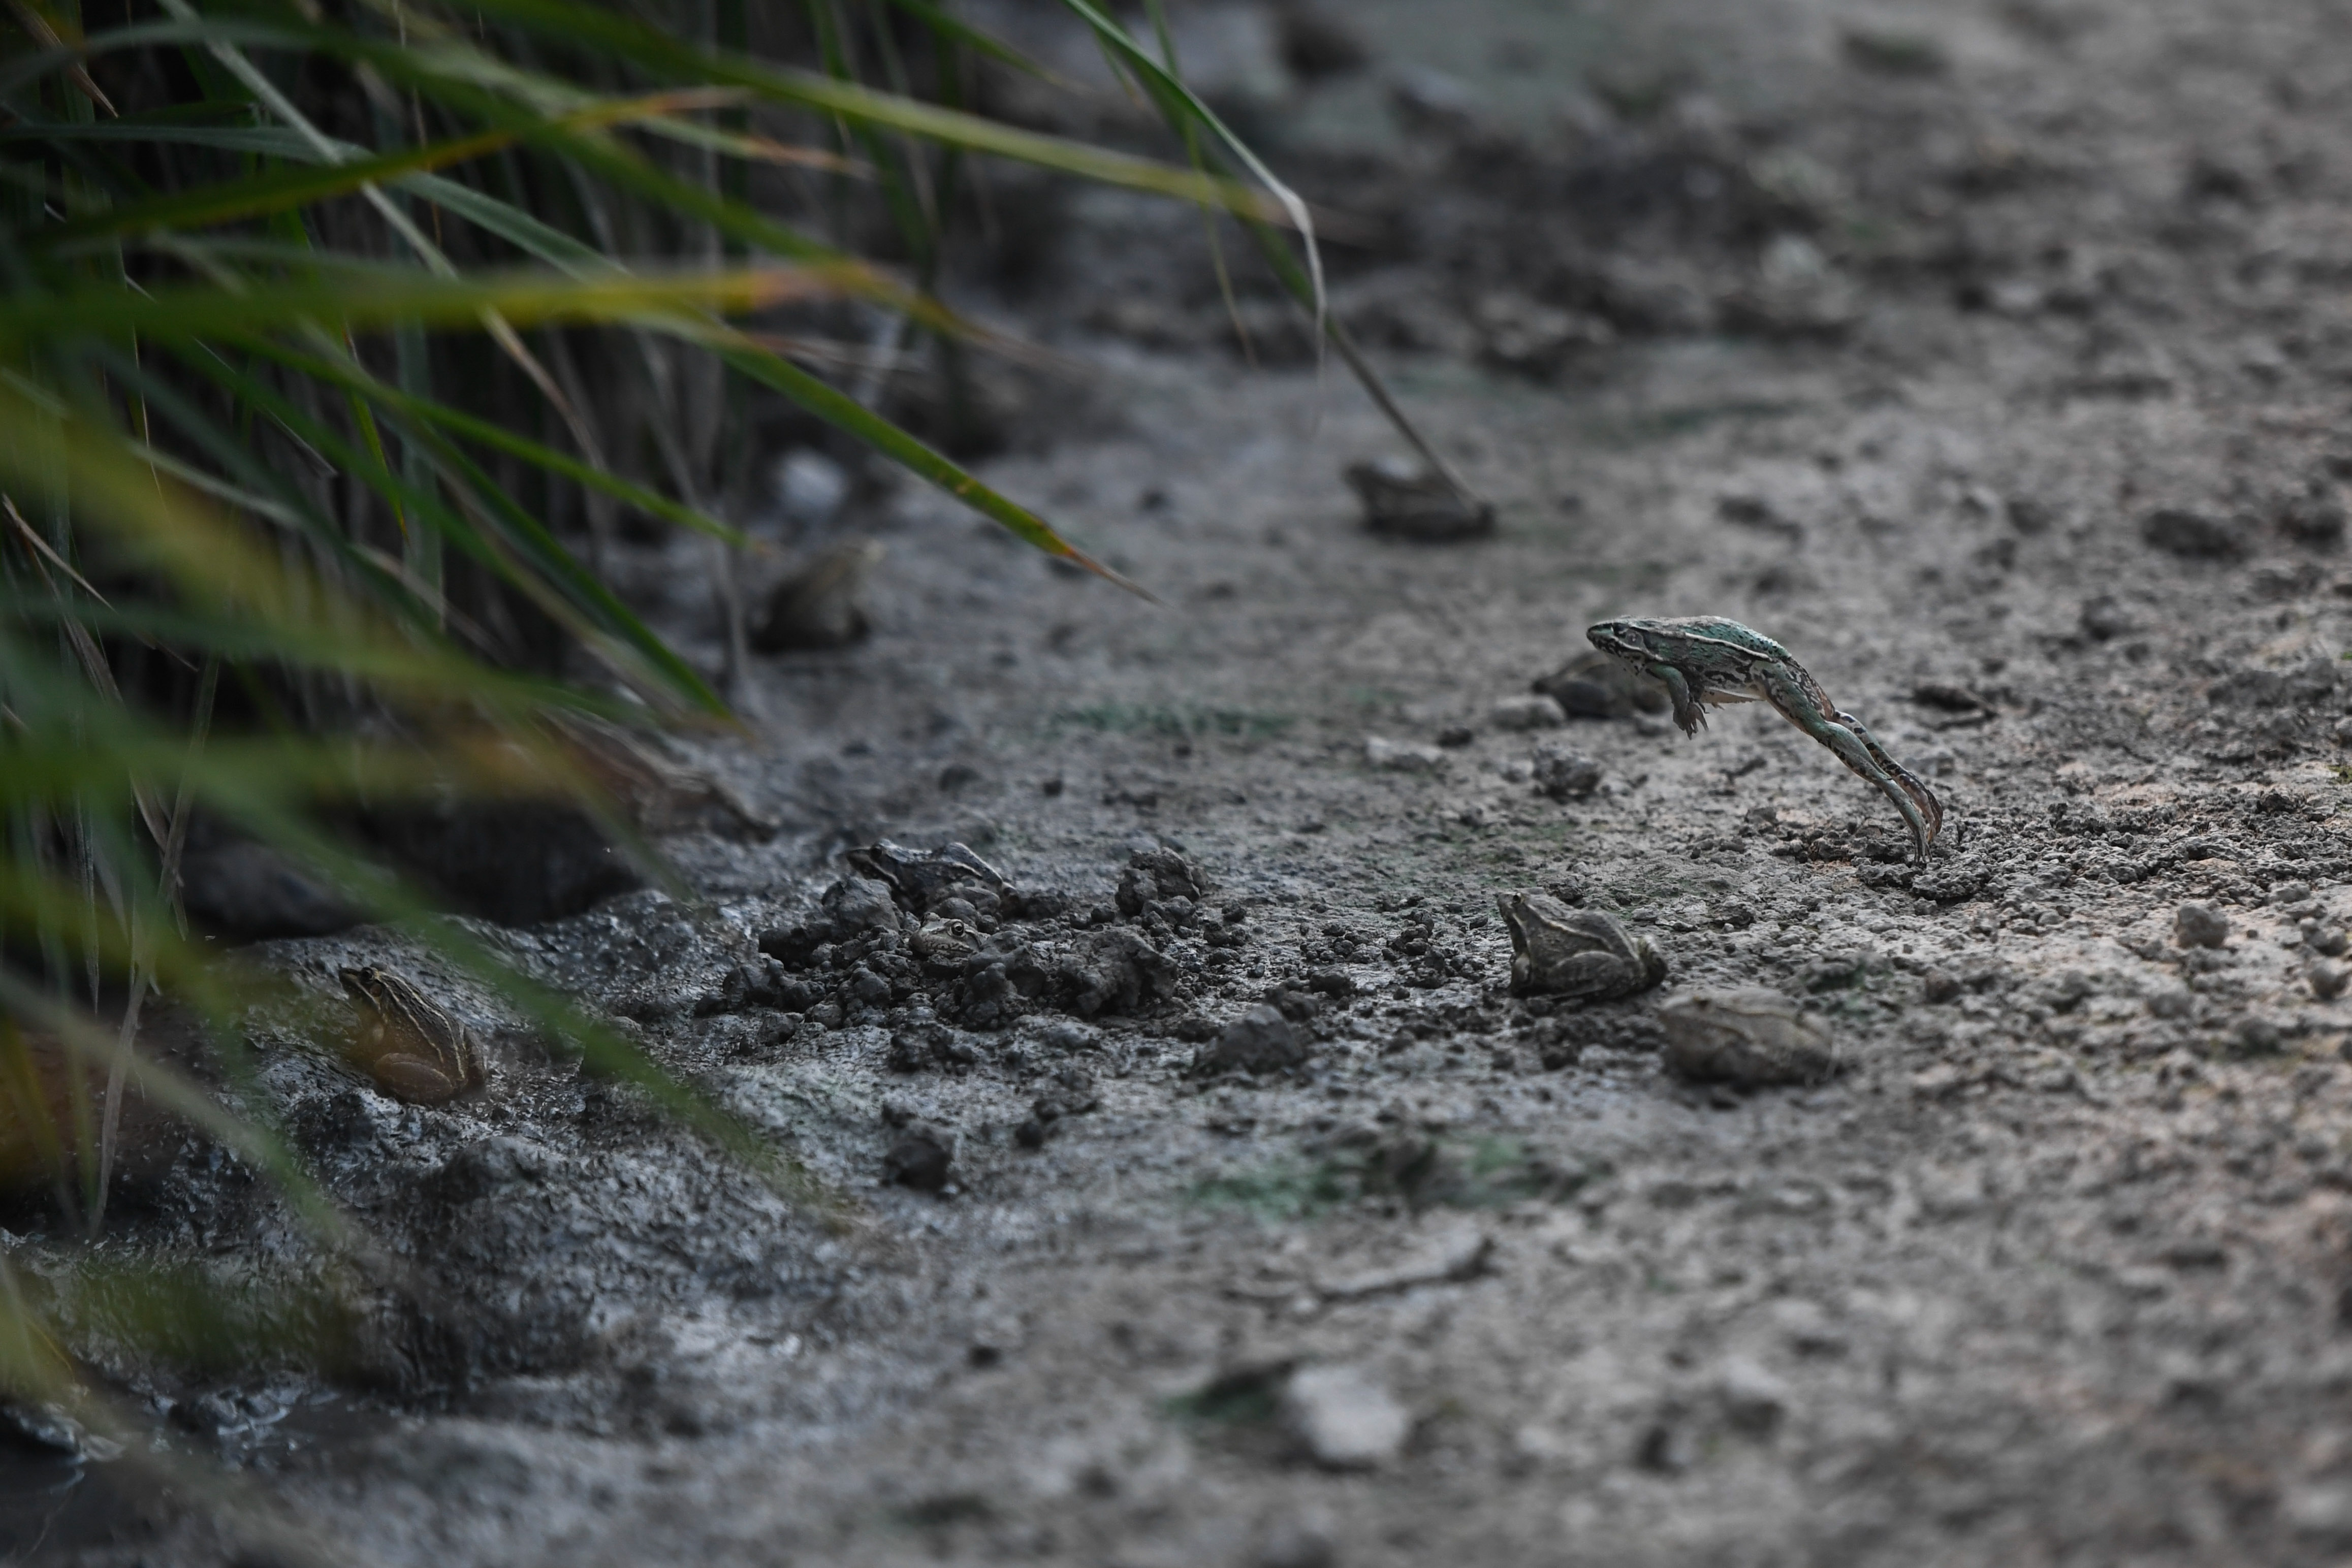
<point x="1687" y="711"/>
<point x="1796" y="704"/>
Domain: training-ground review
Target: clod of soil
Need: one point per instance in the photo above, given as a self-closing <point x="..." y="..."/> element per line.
<point x="2200" y="925"/>
<point x="1260" y="1041"/>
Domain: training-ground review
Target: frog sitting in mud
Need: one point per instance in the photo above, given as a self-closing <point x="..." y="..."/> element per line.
<point x="1707" y="660"/>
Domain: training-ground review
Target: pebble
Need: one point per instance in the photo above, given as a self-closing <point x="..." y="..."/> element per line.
<point x="1298" y="1543"/>
<point x="2200" y="925"/>
<point x="2103" y="619"/>
<point x="922" y="1158"/>
<point x="1749" y="1038"/>
<point x="1344" y="1416"/>
<point x="1564" y="775"/>
<point x="2193" y="535"/>
<point x="2319" y="1510"/>
<point x="1594" y="686"/>
<point x="1536" y="712"/>
<point x="2328" y="980"/>
<point x="1753" y="1400"/>
<point x="1260" y="1041"/>
<point x="1401" y="757"/>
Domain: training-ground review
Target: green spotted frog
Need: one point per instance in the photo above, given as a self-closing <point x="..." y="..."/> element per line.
<point x="1709" y="659"/>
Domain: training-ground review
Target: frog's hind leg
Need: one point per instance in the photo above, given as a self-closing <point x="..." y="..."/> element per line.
<point x="1930" y="808"/>
<point x="1863" y="756"/>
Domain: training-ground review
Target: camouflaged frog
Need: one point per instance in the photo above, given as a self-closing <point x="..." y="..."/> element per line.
<point x="414" y="1049"/>
<point x="1707" y="660"/>
<point x="1582" y="953"/>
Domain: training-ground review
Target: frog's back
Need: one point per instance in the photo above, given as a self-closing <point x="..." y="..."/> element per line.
<point x="1722" y="630"/>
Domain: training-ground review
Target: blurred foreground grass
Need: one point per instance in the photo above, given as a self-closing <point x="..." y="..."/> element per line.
<point x="341" y="343"/>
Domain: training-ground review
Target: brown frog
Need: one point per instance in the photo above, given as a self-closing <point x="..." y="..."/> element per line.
<point x="414" y="1049"/>
<point x="1581" y="953"/>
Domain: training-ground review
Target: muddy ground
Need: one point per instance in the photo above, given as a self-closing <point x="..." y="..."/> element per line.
<point x="1992" y="358"/>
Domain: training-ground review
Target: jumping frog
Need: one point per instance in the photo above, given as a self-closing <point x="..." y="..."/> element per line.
<point x="1583" y="953"/>
<point x="414" y="1049"/>
<point x="1709" y="659"/>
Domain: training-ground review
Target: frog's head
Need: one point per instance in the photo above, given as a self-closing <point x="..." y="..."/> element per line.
<point x="1626" y="640"/>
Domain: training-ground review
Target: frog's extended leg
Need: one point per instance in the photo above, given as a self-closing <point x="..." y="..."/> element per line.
<point x="1930" y="807"/>
<point x="1797" y="706"/>
<point x="1687" y="712"/>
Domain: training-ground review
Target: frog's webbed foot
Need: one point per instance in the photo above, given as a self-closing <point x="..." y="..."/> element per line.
<point x="1859" y="751"/>
<point x="1688" y="713"/>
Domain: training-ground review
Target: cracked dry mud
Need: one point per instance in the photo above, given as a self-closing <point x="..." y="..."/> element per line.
<point x="2056" y="1270"/>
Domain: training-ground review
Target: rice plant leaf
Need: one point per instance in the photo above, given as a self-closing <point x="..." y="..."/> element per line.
<point x="523" y="296"/>
<point x="979" y="42"/>
<point x="652" y="48"/>
<point x="286" y="190"/>
<point x="355" y="379"/>
<point x="846" y="413"/>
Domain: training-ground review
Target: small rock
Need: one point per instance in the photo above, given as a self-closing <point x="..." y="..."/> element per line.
<point x="922" y="1158"/>
<point x="2028" y="515"/>
<point x="2193" y="535"/>
<point x="1156" y="874"/>
<point x="1409" y="503"/>
<point x="245" y="891"/>
<point x="1344" y="1418"/>
<point x="1298" y="1543"/>
<point x="810" y="488"/>
<point x="2104" y="618"/>
<point x="1749" y="1038"/>
<point x="1894" y="52"/>
<point x="1317" y="44"/>
<point x="1428" y="100"/>
<point x="2327" y="981"/>
<point x="1402" y="756"/>
<point x="1564" y="775"/>
<point x="1537" y="712"/>
<point x="1260" y="1041"/>
<point x="1455" y="736"/>
<point x="1594" y="686"/>
<point x="1071" y="1093"/>
<point x="1938" y="987"/>
<point x="2318" y="1511"/>
<point x="2255" y="1037"/>
<point x="821" y="603"/>
<point x="2290" y="893"/>
<point x="2327" y="941"/>
<point x="2200" y="925"/>
<point x="2315" y="518"/>
<point x="1753" y="1400"/>
<point x="1068" y="1035"/>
